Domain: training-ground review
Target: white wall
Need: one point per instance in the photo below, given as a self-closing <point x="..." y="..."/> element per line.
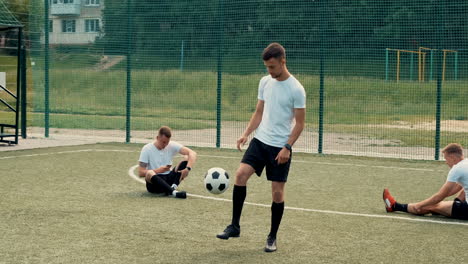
<point x="79" y="36"/>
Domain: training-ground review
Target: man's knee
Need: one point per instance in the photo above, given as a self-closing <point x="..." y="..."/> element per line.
<point x="241" y="179"/>
<point x="277" y="191"/>
<point x="443" y="208"/>
<point x="243" y="174"/>
<point x="278" y="196"/>
<point x="182" y="165"/>
<point x="149" y="175"/>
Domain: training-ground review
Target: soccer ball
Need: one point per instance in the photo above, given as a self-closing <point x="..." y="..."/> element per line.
<point x="216" y="180"/>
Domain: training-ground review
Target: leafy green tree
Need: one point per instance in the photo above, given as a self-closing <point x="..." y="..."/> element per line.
<point x="20" y="9"/>
<point x="354" y="27"/>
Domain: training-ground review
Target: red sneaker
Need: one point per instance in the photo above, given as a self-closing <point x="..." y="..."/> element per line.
<point x="388" y="200"/>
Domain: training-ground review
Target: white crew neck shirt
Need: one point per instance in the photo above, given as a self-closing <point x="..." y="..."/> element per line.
<point x="281" y="98"/>
<point x="156" y="158"/>
<point x="459" y="174"/>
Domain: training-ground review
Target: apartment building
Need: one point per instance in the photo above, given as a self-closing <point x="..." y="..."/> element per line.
<point x="75" y="22"/>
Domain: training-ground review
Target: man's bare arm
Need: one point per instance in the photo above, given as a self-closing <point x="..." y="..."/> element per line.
<point x="192" y="156"/>
<point x="461" y="196"/>
<point x="142" y="169"/>
<point x="256" y="118"/>
<point x="299" y="115"/>
<point x="448" y="189"/>
<point x="284" y="154"/>
<point x="253" y="123"/>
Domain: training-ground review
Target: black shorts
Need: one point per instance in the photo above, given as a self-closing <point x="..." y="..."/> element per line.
<point x="260" y="155"/>
<point x="460" y="209"/>
<point x="172" y="177"/>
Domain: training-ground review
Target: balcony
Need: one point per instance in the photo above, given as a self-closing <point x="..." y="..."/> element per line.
<point x="61" y="9"/>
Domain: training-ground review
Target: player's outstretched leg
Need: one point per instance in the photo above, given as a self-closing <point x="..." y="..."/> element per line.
<point x="238" y="197"/>
<point x="166" y="188"/>
<point x="239" y="193"/>
<point x="391" y="204"/>
<point x="277" y="210"/>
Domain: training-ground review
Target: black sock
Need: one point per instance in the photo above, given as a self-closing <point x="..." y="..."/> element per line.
<point x="157" y="180"/>
<point x="238" y="196"/>
<point x="400" y="207"/>
<point x="277" y="210"/>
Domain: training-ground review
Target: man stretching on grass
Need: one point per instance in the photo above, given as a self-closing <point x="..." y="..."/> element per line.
<point x="156" y="161"/>
<point x="457" y="181"/>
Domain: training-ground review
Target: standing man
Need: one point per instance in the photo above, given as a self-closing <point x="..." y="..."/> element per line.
<point x="278" y="121"/>
<point x="457" y="182"/>
<point x="156" y="161"/>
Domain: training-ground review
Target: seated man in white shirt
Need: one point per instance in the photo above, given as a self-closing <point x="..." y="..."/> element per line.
<point x="156" y="162"/>
<point x="457" y="183"/>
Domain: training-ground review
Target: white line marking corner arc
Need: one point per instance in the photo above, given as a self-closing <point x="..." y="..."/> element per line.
<point x="142" y="180"/>
<point x="131" y="173"/>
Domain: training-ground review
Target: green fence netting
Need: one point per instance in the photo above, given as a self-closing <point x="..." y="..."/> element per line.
<point x="383" y="78"/>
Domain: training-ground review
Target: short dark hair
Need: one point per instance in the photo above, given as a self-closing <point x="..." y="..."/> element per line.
<point x="165" y="131"/>
<point x="274" y="50"/>
<point x="453" y="148"/>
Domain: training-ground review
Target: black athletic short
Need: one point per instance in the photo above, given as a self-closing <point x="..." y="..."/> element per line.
<point x="172" y="177"/>
<point x="460" y="209"/>
<point x="260" y="155"/>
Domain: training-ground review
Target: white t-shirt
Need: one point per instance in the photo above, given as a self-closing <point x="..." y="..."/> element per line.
<point x="156" y="158"/>
<point x="459" y="174"/>
<point x="280" y="97"/>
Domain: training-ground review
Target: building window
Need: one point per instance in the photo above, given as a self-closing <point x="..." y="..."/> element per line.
<point x="92" y="25"/>
<point x="51" y="26"/>
<point x="92" y="2"/>
<point x="62" y="1"/>
<point x="68" y="25"/>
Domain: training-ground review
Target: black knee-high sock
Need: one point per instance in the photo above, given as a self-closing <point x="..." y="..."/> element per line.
<point x="277" y="210"/>
<point x="157" y="180"/>
<point x="400" y="207"/>
<point x="238" y="197"/>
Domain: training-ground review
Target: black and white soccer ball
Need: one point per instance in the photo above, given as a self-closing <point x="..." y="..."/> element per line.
<point x="216" y="180"/>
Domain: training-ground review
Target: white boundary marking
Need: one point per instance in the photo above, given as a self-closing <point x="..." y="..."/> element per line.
<point x="132" y="174"/>
<point x="45" y="154"/>
<point x="335" y="164"/>
<point x="223" y="157"/>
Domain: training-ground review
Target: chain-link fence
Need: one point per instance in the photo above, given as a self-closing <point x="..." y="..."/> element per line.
<point x="383" y="78"/>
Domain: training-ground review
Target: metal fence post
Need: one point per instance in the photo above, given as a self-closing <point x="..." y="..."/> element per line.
<point x="322" y="77"/>
<point x="386" y="64"/>
<point x="129" y="75"/>
<point x="220" y="73"/>
<point x="182" y="57"/>
<point x="46" y="68"/>
<point x="23" y="93"/>
<point x="439" y="54"/>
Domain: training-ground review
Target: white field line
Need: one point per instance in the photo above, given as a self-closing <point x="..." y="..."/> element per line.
<point x="334" y="164"/>
<point x="131" y="173"/>
<point x="45" y="154"/>
<point x="224" y="157"/>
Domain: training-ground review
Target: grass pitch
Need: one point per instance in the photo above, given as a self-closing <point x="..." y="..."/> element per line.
<point x="79" y="205"/>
